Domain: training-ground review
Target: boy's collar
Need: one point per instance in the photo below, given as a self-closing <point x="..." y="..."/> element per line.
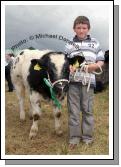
<point x="76" y="39"/>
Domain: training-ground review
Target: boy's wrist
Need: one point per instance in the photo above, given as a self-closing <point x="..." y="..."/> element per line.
<point x="92" y="67"/>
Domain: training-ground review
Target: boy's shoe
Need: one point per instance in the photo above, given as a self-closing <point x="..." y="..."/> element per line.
<point x="73" y="143"/>
<point x="87" y="142"/>
<point x="72" y="146"/>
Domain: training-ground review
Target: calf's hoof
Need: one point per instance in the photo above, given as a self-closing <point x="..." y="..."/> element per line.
<point x="22" y="117"/>
<point x="33" y="132"/>
<point x="59" y="132"/>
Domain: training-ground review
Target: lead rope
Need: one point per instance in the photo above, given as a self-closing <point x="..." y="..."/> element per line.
<point x="84" y="67"/>
<point x="51" y="85"/>
<point x="53" y="96"/>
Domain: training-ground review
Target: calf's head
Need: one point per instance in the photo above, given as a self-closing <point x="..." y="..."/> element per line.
<point x="54" y="66"/>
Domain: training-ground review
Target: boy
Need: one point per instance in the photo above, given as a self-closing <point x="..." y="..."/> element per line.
<point x="78" y="98"/>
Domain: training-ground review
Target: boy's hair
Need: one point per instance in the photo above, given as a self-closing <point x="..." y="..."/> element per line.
<point x="82" y="20"/>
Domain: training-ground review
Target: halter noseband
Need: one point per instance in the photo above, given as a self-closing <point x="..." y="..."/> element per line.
<point x="57" y="81"/>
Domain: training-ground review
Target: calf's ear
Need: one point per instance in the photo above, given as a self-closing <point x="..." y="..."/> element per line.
<point x="80" y="59"/>
<point x="74" y="59"/>
<point x="40" y="62"/>
<point x="34" y="61"/>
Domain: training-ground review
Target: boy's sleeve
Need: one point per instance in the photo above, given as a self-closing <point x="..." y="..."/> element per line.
<point x="100" y="53"/>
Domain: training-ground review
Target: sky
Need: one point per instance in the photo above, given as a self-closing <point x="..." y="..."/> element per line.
<point x="24" y="22"/>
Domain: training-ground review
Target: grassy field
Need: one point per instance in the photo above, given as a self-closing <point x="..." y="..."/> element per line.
<point x="47" y="142"/>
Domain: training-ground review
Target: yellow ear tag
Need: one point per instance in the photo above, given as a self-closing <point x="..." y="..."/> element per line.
<point x="37" y="67"/>
<point x="76" y="65"/>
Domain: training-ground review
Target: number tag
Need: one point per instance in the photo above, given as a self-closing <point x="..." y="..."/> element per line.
<point x="91" y="45"/>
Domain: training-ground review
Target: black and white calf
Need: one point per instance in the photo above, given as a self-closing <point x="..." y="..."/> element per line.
<point x="29" y="69"/>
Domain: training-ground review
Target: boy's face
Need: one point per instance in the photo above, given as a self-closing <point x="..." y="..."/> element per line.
<point x="81" y="30"/>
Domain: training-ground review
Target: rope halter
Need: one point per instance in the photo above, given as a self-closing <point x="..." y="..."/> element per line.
<point x="59" y="81"/>
<point x="51" y="85"/>
<point x="84" y="67"/>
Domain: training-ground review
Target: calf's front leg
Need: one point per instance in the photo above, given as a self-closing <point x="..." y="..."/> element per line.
<point x="57" y="117"/>
<point x="36" y="112"/>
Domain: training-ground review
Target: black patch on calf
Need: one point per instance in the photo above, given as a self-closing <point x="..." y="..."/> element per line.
<point x="22" y="53"/>
<point x="58" y="114"/>
<point x="36" y="82"/>
<point x="74" y="59"/>
<point x="31" y="48"/>
<point x="11" y="55"/>
<point x="36" y="117"/>
<point x="18" y="76"/>
<point x="17" y="60"/>
<point x="35" y="77"/>
<point x="45" y="60"/>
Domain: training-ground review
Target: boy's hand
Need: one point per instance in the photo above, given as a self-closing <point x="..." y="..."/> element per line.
<point x="88" y="68"/>
<point x="72" y="69"/>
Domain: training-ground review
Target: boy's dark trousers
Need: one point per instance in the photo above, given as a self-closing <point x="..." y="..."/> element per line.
<point x="80" y="100"/>
<point x="8" y="78"/>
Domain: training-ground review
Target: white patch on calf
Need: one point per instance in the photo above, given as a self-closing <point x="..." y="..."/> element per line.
<point x="58" y="60"/>
<point x="35" y="100"/>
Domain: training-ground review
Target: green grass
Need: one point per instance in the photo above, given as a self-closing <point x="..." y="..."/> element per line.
<point x="46" y="141"/>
